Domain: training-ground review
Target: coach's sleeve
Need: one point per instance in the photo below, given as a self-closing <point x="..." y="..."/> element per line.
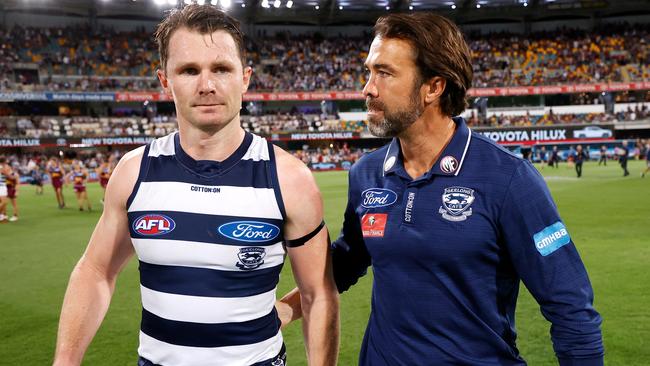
<point x="548" y="263"/>
<point x="350" y="258"/>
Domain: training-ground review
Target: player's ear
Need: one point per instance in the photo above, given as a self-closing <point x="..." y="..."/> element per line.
<point x="248" y="72"/>
<point x="164" y="82"/>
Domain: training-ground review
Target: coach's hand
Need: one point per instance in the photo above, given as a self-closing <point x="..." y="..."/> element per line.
<point x="289" y="308"/>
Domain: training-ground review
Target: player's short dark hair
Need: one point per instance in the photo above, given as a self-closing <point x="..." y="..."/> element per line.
<point x="205" y="19"/>
<point x="440" y="50"/>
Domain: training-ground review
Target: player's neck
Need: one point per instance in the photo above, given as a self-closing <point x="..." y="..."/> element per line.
<point x="211" y="145"/>
<point x="424" y="141"/>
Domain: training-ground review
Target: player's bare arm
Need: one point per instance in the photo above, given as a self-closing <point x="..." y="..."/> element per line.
<point x="310" y="262"/>
<point x="92" y="281"/>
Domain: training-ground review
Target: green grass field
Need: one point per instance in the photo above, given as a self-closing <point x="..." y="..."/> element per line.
<point x="607" y="216"/>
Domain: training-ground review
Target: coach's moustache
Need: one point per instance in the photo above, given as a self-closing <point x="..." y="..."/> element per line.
<point x="374" y="105"/>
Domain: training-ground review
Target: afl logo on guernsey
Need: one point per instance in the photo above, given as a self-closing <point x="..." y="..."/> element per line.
<point x="377" y="197"/>
<point x="153" y="224"/>
<point x="250" y="231"/>
<point x="448" y="164"/>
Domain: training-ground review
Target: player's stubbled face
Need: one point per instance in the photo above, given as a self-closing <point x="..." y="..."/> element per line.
<point x="393" y="88"/>
<point x="206" y="78"/>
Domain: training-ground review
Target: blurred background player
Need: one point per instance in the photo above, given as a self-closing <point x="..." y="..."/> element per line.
<point x="36" y="173"/>
<point x="647" y="160"/>
<point x="603" y="155"/>
<point x="104" y="171"/>
<point x="579" y="158"/>
<point x="4" y="172"/>
<point x="543" y="155"/>
<point x="79" y="174"/>
<point x="554" y="161"/>
<point x="56" y="172"/>
<point x="571" y="157"/>
<point x="13" y="181"/>
<point x="623" y="152"/>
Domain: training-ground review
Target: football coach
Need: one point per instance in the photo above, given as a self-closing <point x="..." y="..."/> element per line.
<point x="451" y="222"/>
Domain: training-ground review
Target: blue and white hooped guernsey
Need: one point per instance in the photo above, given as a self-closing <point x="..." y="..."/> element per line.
<point x="209" y="238"/>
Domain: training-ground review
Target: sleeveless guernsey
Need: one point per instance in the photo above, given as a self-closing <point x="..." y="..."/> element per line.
<point x="209" y="239"/>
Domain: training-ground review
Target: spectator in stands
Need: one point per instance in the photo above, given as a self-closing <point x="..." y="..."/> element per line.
<point x="88" y="60"/>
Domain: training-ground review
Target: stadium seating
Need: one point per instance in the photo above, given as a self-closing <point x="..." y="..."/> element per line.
<point x="75" y="58"/>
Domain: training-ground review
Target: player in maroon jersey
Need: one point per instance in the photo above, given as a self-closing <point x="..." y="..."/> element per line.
<point x="13" y="181"/>
<point x="57" y="173"/>
<point x="79" y="175"/>
<point x="104" y="172"/>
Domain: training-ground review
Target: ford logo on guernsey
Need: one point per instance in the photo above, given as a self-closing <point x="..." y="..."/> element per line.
<point x="153" y="224"/>
<point x="251" y="231"/>
<point x="378" y="197"/>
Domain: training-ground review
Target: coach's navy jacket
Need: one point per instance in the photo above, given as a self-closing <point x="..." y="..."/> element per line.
<point x="448" y="250"/>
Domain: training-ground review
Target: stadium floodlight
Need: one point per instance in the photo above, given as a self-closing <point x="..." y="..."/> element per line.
<point x="277" y="4"/>
<point x="525" y="3"/>
<point x="478" y="6"/>
<point x="265" y="4"/>
<point x="289" y="4"/>
<point x="453" y="6"/>
<point x="317" y="7"/>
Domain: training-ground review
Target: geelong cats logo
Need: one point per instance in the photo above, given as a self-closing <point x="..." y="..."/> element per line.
<point x="250" y="257"/>
<point x="456" y="202"/>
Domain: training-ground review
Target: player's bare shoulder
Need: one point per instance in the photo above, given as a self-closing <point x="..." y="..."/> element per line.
<point x="300" y="194"/>
<point x="125" y="176"/>
<point x="294" y="176"/>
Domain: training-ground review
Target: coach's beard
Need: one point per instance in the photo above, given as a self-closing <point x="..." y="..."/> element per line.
<point x="395" y="122"/>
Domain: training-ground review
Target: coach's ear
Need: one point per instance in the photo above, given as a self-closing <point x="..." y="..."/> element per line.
<point x="434" y="88"/>
<point x="164" y="82"/>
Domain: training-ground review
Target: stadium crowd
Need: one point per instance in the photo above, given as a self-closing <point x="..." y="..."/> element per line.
<point x="332" y="154"/>
<point x="78" y="58"/>
<point x="610" y="53"/>
<point x="268" y="124"/>
<point x="551" y="118"/>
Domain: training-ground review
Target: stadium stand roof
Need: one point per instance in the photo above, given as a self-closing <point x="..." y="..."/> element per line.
<point x="339" y="12"/>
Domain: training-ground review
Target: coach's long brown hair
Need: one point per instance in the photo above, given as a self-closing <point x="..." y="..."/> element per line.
<point x="205" y="19"/>
<point x="440" y="50"/>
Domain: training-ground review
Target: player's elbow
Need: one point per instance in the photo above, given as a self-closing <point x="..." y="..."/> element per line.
<point x="87" y="271"/>
<point x="323" y="296"/>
